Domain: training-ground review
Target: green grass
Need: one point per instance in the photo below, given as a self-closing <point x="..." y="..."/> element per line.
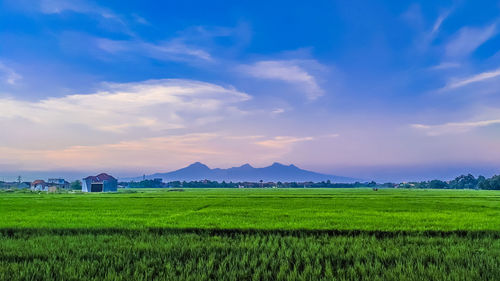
<point x="342" y="209"/>
<point x="240" y="256"/>
<point x="234" y="234"/>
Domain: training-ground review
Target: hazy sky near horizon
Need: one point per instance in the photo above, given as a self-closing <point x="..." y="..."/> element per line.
<point x="370" y="89"/>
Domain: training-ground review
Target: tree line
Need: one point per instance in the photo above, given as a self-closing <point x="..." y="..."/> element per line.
<point x="460" y="182"/>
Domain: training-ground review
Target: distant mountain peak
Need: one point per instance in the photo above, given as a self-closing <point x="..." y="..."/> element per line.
<point x="275" y="172"/>
<point x="198" y="165"/>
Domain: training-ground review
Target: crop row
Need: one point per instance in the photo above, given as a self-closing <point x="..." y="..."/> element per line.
<point x="245" y="256"/>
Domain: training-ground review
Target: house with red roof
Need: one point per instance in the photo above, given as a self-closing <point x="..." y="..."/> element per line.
<point x="100" y="183"/>
<point x="39" y="185"/>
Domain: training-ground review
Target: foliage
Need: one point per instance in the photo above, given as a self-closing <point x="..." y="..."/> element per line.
<point x="460" y="182"/>
<point x="76" y="185"/>
<point x="224" y="184"/>
<point x="144" y="184"/>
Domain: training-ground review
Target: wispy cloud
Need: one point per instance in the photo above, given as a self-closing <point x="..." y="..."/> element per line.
<point x="146" y="152"/>
<point x="283" y="141"/>
<point x="454" y="127"/>
<point x="278" y="111"/>
<point x="59" y="6"/>
<point x="439" y="21"/>
<point x="289" y="71"/>
<point x="155" y="105"/>
<point x="8" y="75"/>
<point x="110" y="19"/>
<point x="457" y="83"/>
<point x="173" y="50"/>
<point x="426" y="34"/>
<point x="153" y="153"/>
<point x="445" y="65"/>
<point x="140" y="20"/>
<point x="468" y="39"/>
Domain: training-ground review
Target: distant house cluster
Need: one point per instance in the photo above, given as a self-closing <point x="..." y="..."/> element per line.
<point x="49" y="185"/>
<point x="62" y="183"/>
<point x="100" y="183"/>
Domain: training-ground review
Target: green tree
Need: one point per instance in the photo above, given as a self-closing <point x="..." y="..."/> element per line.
<point x="76" y="185"/>
<point x="437" y="184"/>
<point x="495" y="182"/>
<point x="464" y="181"/>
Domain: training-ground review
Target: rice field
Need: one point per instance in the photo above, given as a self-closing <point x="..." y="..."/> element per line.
<point x="258" y="234"/>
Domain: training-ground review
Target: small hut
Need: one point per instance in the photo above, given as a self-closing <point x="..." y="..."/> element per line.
<point x="100" y="183"/>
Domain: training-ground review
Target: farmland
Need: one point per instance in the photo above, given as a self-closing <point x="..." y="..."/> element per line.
<point x="260" y="234"/>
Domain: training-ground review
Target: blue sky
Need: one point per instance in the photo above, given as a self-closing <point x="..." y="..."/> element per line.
<point x="385" y="90"/>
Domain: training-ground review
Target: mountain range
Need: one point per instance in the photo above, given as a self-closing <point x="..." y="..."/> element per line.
<point x="276" y="172"/>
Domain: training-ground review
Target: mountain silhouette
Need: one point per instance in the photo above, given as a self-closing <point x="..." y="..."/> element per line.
<point x="275" y="172"/>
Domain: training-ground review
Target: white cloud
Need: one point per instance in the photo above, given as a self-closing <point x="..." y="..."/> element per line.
<point x="77" y="6"/>
<point x="59" y="6"/>
<point x="278" y="111"/>
<point x="173" y="50"/>
<point x="425" y="33"/>
<point x="155" y="105"/>
<point x="108" y="18"/>
<point x="454" y="127"/>
<point x="439" y="21"/>
<point x="289" y="71"/>
<point x="8" y="75"/>
<point x="154" y="153"/>
<point x="280" y="142"/>
<point x="457" y="83"/>
<point x="140" y="20"/>
<point x="468" y="39"/>
<point x="185" y="47"/>
<point x="445" y="65"/>
<point x="145" y="152"/>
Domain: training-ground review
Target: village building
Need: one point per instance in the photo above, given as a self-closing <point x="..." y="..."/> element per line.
<point x="100" y="183"/>
<point x="39" y="185"/>
<point x="61" y="183"/>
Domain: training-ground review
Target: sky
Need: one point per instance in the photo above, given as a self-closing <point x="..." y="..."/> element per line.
<point x="384" y="90"/>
